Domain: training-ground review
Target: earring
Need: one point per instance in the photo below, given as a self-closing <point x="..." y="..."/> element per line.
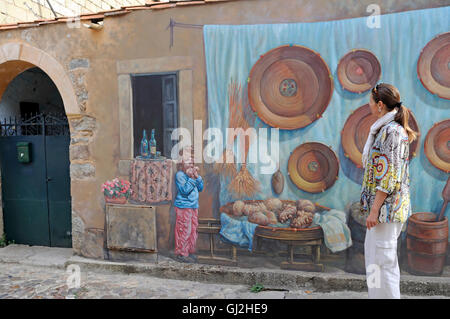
<point x="379" y="110"/>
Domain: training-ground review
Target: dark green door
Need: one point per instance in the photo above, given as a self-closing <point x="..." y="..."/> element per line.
<point x="58" y="185"/>
<point x="24" y="192"/>
<point x="36" y="195"/>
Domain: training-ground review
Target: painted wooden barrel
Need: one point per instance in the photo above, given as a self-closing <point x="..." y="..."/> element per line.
<point x="426" y="244"/>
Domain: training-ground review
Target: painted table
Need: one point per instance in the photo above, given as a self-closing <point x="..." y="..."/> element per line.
<point x="292" y="237"/>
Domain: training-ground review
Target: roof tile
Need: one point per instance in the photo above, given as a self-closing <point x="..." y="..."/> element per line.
<point x="49" y="21"/>
<point x="107" y="14"/>
<point x="4" y="27"/>
<point x="111" y="10"/>
<point x="189" y="3"/>
<point x="163" y="6"/>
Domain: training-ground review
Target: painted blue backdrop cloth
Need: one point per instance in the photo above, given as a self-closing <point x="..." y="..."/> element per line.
<point x="237" y="231"/>
<point x="232" y="50"/>
<point x="337" y="235"/>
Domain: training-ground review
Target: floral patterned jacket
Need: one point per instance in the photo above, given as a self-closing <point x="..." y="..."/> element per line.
<point x="388" y="170"/>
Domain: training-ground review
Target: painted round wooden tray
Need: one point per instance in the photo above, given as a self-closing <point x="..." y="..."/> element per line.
<point x="356" y="130"/>
<point x="358" y="71"/>
<point x="433" y="67"/>
<point x="282" y="233"/>
<point x="437" y="145"/>
<point x="313" y="167"/>
<point x="290" y="87"/>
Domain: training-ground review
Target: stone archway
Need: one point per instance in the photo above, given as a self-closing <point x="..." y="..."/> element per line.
<point x="20" y="57"/>
<point x="16" y="58"/>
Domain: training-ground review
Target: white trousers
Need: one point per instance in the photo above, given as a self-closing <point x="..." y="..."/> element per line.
<point x="382" y="269"/>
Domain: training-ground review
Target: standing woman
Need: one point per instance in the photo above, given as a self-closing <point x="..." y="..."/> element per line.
<point x="385" y="189"/>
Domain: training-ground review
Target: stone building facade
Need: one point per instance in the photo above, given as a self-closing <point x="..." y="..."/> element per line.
<point x="92" y="70"/>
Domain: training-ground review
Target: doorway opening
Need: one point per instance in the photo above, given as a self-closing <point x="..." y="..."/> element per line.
<point x="34" y="162"/>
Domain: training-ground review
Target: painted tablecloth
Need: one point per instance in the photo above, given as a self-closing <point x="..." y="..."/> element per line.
<point x="151" y="181"/>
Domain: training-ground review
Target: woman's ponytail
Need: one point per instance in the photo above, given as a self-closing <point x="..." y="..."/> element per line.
<point x="402" y="117"/>
<point x="390" y="96"/>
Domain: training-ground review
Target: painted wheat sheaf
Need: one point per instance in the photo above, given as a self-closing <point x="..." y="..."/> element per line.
<point x="240" y="116"/>
<point x="224" y="166"/>
<point x="244" y="184"/>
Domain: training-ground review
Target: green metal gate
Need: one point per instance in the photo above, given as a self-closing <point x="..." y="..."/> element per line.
<point x="36" y="194"/>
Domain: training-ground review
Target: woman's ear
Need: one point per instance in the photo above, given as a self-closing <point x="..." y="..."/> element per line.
<point x="380" y="105"/>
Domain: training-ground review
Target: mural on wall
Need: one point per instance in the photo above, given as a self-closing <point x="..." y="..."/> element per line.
<point x="312" y="81"/>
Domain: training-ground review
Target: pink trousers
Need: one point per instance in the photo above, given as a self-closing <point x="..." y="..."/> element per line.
<point x="186" y="230"/>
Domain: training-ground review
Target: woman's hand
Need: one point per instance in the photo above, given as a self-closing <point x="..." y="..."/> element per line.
<point x="372" y="220"/>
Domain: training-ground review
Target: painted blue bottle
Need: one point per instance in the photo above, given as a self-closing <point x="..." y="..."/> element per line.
<point x="153" y="145"/>
<point x="144" y="145"/>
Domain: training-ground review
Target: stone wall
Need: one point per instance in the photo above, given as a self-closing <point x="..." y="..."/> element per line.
<point x="86" y="241"/>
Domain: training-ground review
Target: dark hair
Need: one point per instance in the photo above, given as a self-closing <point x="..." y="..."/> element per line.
<point x="390" y="96"/>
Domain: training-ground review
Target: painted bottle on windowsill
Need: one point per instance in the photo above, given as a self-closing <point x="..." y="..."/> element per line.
<point x="144" y="145"/>
<point x="153" y="145"/>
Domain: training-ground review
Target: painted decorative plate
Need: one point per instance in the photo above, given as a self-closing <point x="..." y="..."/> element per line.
<point x="437" y="145"/>
<point x="356" y="130"/>
<point x="433" y="67"/>
<point x="290" y="87"/>
<point x="313" y="167"/>
<point x="358" y="71"/>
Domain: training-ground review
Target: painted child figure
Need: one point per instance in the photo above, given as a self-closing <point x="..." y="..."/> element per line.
<point x="189" y="183"/>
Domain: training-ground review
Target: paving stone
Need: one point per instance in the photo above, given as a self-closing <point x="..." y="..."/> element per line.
<point x="33" y="282"/>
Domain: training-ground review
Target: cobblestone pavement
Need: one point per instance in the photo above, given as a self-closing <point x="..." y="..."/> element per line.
<point x="22" y="281"/>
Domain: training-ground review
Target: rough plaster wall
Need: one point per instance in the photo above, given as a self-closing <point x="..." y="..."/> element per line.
<point x="143" y="34"/>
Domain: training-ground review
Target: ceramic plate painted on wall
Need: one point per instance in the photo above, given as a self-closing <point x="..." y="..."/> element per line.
<point x="433" y="67"/>
<point x="358" y="71"/>
<point x="437" y="145"/>
<point x="290" y="87"/>
<point x="313" y="167"/>
<point x="356" y="130"/>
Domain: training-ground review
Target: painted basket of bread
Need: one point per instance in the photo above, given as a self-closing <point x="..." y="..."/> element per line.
<point x="283" y="219"/>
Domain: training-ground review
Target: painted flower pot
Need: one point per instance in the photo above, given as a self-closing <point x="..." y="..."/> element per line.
<point x="116" y="200"/>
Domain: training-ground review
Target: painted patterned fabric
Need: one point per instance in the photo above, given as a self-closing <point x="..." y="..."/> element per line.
<point x="151" y="181"/>
<point x="186" y="231"/>
<point x="388" y="170"/>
